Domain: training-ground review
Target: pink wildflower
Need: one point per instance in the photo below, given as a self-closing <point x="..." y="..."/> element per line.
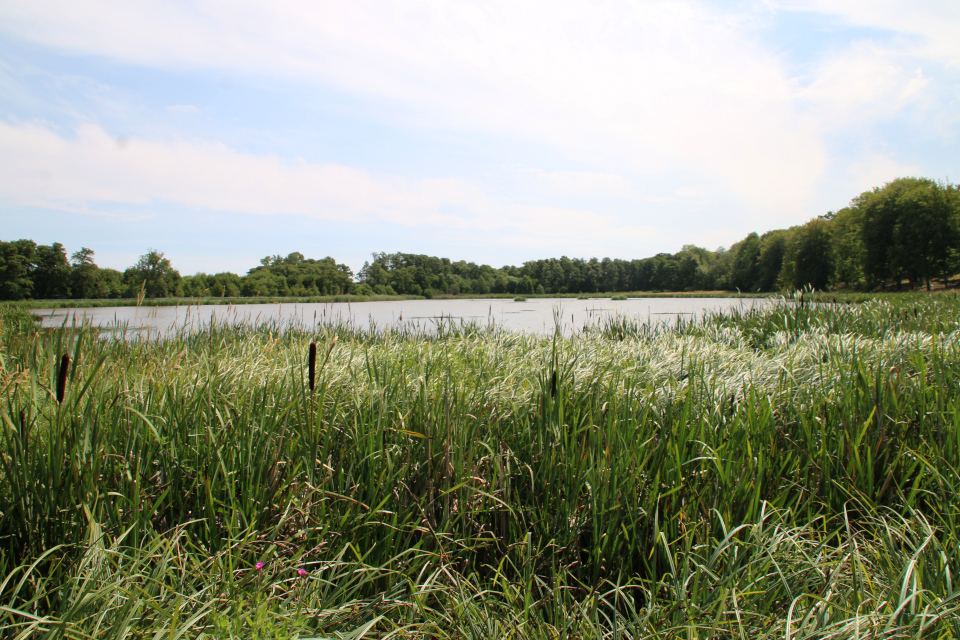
<point x="259" y="566"/>
<point x="302" y="573"/>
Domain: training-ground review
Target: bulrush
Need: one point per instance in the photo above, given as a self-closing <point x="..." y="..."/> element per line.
<point x="312" y="360"/>
<point x="62" y="377"/>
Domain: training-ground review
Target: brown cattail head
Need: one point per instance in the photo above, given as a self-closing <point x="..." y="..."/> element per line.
<point x="553" y="385"/>
<point x="62" y="377"/>
<point x="313" y="364"/>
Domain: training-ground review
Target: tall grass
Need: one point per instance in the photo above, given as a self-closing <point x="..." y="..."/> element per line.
<point x="786" y="471"/>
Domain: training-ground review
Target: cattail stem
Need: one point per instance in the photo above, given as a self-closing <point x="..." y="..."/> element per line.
<point x="313" y="364"/>
<point x="62" y="377"/>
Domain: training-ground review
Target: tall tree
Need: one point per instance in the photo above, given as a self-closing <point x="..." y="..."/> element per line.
<point x="16" y="265"/>
<point x="773" y="246"/>
<point x="154" y="275"/>
<point x="846" y="227"/>
<point x="86" y="281"/>
<point x="746" y="256"/>
<point x="51" y="273"/>
<point x="902" y="219"/>
<point x="811" y="253"/>
<point x="879" y="218"/>
<point x="926" y="233"/>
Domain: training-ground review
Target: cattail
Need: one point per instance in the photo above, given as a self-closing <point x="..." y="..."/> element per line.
<point x="62" y="377"/>
<point x="313" y="364"/>
<point x="553" y="385"/>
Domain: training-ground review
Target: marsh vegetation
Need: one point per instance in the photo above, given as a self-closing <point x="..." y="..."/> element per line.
<point x="789" y="470"/>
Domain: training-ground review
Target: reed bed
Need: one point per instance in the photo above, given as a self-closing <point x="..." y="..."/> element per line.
<point x="790" y="471"/>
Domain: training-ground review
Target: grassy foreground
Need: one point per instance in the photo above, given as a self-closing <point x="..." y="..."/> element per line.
<point x="787" y="472"/>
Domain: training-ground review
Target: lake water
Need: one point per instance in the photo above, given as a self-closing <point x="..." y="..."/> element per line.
<point x="538" y="315"/>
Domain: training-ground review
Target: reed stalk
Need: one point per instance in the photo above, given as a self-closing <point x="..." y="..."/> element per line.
<point x="782" y="471"/>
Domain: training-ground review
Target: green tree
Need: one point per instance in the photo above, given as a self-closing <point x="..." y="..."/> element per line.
<point x="910" y="230"/>
<point x="810" y="255"/>
<point x="294" y="275"/>
<point x="112" y="283"/>
<point x="16" y="264"/>
<point x="195" y="286"/>
<point x="773" y="247"/>
<point x="879" y="216"/>
<point x="51" y="272"/>
<point x="86" y="280"/>
<point x="261" y="284"/>
<point x="926" y="234"/>
<point x="746" y="255"/>
<point x="687" y="272"/>
<point x="846" y="229"/>
<point x="154" y="275"/>
<point x="225" y="284"/>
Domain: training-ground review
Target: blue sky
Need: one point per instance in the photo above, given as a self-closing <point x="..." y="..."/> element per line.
<point x="499" y="131"/>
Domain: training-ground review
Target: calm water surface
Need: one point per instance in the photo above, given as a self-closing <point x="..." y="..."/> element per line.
<point x="538" y="315"/>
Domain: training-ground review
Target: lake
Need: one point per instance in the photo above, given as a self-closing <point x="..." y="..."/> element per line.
<point x="538" y="315"/>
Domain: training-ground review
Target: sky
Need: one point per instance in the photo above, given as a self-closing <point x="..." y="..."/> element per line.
<point x="220" y="132"/>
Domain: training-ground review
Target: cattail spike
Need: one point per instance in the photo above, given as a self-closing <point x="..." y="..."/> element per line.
<point x="313" y="364"/>
<point x="62" y="377"/>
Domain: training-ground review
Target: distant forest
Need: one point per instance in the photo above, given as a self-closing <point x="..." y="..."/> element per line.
<point x="907" y="230"/>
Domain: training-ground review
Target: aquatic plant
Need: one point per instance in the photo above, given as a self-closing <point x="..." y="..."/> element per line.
<point x="759" y="473"/>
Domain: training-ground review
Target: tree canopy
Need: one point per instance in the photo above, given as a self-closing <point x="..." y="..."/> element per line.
<point x="907" y="229"/>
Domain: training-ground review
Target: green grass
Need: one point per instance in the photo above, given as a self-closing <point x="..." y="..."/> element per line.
<point x="790" y="470"/>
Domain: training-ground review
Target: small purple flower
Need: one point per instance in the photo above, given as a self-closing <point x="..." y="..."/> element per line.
<point x="302" y="573"/>
<point x="259" y="566"/>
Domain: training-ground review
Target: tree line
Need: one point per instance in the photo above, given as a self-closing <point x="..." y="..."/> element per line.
<point x="906" y="230"/>
<point x="29" y="271"/>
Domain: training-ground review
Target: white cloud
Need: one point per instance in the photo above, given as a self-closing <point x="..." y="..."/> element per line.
<point x="876" y="170"/>
<point x="861" y="85"/>
<point x="629" y="90"/>
<point x="40" y="168"/>
<point x="652" y="87"/>
<point x="933" y="24"/>
<point x="582" y="183"/>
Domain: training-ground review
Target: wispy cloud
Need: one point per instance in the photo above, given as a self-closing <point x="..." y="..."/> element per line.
<point x="862" y="85"/>
<point x="581" y="183"/>
<point x="639" y="88"/>
<point x="623" y="93"/>
<point x="41" y="168"/>
<point x="927" y="28"/>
